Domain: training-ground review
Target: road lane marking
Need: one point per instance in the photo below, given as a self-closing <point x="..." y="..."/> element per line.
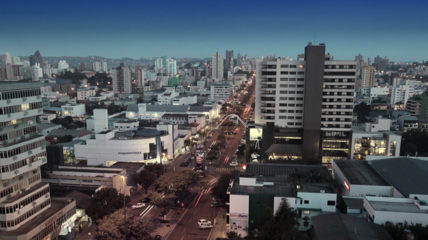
<point x="147" y="210"/>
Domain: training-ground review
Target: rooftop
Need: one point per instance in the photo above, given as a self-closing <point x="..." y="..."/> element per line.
<point x="407" y="175"/>
<point x="167" y="108"/>
<point x="176" y="115"/>
<point x="284" y="169"/>
<point x="341" y="226"/>
<point x="63" y="132"/>
<point x="43" y="126"/>
<point x="385" y="206"/>
<point x="83" y="201"/>
<point x="316" y="188"/>
<point x="199" y="109"/>
<point x="281" y="186"/>
<point x="353" y="202"/>
<point x="131" y="167"/>
<point x="360" y="173"/>
<point x="86" y="169"/>
<point x="72" y="143"/>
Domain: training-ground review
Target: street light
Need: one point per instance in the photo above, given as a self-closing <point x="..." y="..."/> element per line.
<point x="124" y="203"/>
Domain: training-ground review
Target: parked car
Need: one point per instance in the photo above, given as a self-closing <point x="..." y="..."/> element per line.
<point x="205" y="226"/>
<point x="203" y="221"/>
<point x="145" y="200"/>
<point x="216" y="204"/>
<point x="138" y="205"/>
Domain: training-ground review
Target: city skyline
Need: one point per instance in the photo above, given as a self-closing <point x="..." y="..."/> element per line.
<point x="199" y="29"/>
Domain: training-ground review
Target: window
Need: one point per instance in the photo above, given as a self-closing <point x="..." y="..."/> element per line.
<point x="282" y="117"/>
<point x="299" y="92"/>
<point x="284" y="66"/>
<point x="290" y="111"/>
<point x="284" y="79"/>
<point x="306" y="202"/>
<point x="331" y="203"/>
<point x="283" y="72"/>
<point x="301" y="66"/>
<point x="283" y="92"/>
<point x="292" y="92"/>
<point x="283" y="85"/>
<point x="293" y="66"/>
<point x="283" y="104"/>
<point x="282" y="98"/>
<point x="290" y="117"/>
<point x="307" y="212"/>
<point x="290" y="123"/>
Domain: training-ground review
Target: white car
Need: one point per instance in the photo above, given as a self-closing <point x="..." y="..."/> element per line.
<point x="204" y="222"/>
<point x="138" y="205"/>
<point x="205" y="226"/>
<point x="233" y="164"/>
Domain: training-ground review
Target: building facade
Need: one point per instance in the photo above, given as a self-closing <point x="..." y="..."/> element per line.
<point x="229" y="59"/>
<point x="25" y="200"/>
<point x="122" y="79"/>
<point x="100" y="66"/>
<point x="217" y="67"/>
<point x="308" y="104"/>
<point x="368" y="76"/>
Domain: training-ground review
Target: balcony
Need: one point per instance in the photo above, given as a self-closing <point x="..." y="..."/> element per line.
<point x="18" y="115"/>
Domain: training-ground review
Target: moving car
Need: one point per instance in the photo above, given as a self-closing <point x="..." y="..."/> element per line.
<point x="138" y="205"/>
<point x="205" y="226"/>
<point x="233" y="164"/>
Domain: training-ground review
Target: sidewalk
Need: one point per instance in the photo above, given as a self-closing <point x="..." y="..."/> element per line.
<point x="219" y="230"/>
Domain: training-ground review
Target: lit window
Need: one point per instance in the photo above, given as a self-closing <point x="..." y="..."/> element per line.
<point x="306" y="212"/>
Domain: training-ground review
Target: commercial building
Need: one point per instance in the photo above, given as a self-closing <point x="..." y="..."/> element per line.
<point x="217" y="68"/>
<point x="100" y="66"/>
<point x="139" y="76"/>
<point x="26" y="209"/>
<point x="374" y="139"/>
<point x="418" y="106"/>
<point x="305" y="106"/>
<point x="122" y="79"/>
<point x="398" y="177"/>
<point x="256" y="194"/>
<point x="147" y="145"/>
<point x="85" y="93"/>
<point x="73" y="110"/>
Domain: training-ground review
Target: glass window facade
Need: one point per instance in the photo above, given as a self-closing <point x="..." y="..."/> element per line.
<point x="369" y="146"/>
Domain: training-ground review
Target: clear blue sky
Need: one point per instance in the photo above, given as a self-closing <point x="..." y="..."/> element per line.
<point x="144" y="28"/>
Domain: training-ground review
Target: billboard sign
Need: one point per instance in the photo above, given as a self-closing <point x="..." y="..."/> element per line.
<point x="256" y="134"/>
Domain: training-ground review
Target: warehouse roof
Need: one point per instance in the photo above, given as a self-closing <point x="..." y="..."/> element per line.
<point x="360" y="173"/>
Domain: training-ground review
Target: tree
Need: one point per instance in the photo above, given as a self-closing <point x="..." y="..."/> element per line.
<point x="106" y="201"/>
<point x="281" y="224"/>
<point x="220" y="189"/>
<point x="233" y="235"/>
<point x="157" y="168"/>
<point x="161" y="200"/>
<point x="225" y="107"/>
<point x="212" y="156"/>
<point x="410" y="148"/>
<point x="396" y="230"/>
<point x="362" y="110"/>
<point x="215" y="148"/>
<point x="145" y="179"/>
<point x="176" y="182"/>
<point x="113" y="227"/>
<point x="221" y="138"/>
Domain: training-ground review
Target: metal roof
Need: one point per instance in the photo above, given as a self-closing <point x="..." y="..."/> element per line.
<point x="407" y="175"/>
<point x="199" y="109"/>
<point x="167" y="108"/>
<point x="345" y="227"/>
<point x="284" y="169"/>
<point x="360" y="173"/>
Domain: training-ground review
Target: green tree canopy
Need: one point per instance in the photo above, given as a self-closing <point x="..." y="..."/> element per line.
<point x="176" y="182"/>
<point x="106" y="201"/>
<point x="145" y="179"/>
<point x="113" y="227"/>
<point x="220" y="189"/>
<point x="157" y="168"/>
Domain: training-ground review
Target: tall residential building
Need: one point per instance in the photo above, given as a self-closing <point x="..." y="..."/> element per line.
<point x="303" y="108"/>
<point x="139" y="76"/>
<point x="238" y="60"/>
<point x="169" y="64"/>
<point x="36" y="58"/>
<point x="5" y="59"/>
<point x="368" y="76"/>
<point x="229" y="59"/>
<point x="217" y="68"/>
<point x="122" y="79"/>
<point x="401" y="94"/>
<point x="36" y="72"/>
<point x="62" y="64"/>
<point x="100" y="66"/>
<point x="359" y="59"/>
<point x="26" y="209"/>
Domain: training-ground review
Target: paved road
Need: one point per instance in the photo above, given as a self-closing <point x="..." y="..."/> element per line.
<point x="187" y="228"/>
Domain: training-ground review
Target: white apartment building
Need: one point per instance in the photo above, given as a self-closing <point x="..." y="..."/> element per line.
<point x="401" y="93"/>
<point x="169" y="64"/>
<point x="36" y="72"/>
<point x="26" y="209"/>
<point x="217" y="66"/>
<point x="122" y="82"/>
<point x="100" y="66"/>
<point x="184" y="100"/>
<point x="221" y="91"/>
<point x="85" y="94"/>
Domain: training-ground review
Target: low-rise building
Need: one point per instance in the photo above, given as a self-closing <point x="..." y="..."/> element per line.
<point x="46" y="128"/>
<point x="184" y="100"/>
<point x="73" y="110"/>
<point x="47" y="117"/>
<point x="146" y="145"/>
<point x="407" y="122"/>
<point x="374" y="139"/>
<point x="381" y="210"/>
<point x="85" y="93"/>
<point x="126" y="125"/>
<point x="255" y="195"/>
<point x="85" y="178"/>
<point x="221" y="91"/>
<point x="180" y="119"/>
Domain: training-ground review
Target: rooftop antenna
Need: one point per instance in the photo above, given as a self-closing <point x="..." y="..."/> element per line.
<point x="315" y="36"/>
